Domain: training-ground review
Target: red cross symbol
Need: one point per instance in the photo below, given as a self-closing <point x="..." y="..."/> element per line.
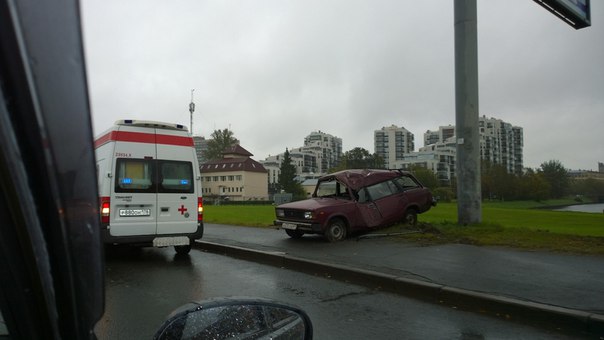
<point x="182" y="209"/>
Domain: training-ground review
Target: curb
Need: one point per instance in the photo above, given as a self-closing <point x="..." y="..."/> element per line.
<point x="552" y="317"/>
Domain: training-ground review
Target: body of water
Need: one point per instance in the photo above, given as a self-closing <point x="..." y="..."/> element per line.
<point x="590" y="208"/>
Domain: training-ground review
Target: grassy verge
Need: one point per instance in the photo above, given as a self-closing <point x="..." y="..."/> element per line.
<point x="519" y="215"/>
<point x="496" y="235"/>
<point x="513" y="224"/>
<point x="243" y="215"/>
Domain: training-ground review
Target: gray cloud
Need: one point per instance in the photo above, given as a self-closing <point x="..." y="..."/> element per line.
<point x="273" y="71"/>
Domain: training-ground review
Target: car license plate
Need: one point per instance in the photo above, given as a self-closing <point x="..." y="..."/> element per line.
<point x="289" y="226"/>
<point x="170" y="241"/>
<point x="134" y="212"/>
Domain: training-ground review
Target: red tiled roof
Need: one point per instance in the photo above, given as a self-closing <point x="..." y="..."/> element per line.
<point x="237" y="150"/>
<point x="232" y="164"/>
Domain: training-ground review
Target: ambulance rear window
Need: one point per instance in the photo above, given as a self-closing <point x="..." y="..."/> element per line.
<point x="175" y="177"/>
<point x="134" y="175"/>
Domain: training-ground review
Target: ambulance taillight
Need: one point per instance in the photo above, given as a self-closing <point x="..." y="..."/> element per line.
<point x="199" y="209"/>
<point x="105" y="210"/>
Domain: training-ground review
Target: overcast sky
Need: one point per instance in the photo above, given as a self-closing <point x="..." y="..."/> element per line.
<point x="274" y="71"/>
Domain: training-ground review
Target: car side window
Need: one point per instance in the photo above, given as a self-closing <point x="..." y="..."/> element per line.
<point x="406" y="183"/>
<point x="362" y="195"/>
<point x="343" y="191"/>
<point x="326" y="189"/>
<point x="379" y="190"/>
<point x="393" y="187"/>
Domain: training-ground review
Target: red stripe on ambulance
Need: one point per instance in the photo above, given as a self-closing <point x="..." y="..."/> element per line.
<point x="141" y="137"/>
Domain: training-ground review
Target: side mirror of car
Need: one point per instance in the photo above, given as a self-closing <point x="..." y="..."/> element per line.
<point x="236" y="318"/>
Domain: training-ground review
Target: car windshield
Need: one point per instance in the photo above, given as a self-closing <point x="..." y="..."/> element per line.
<point x="489" y="112"/>
<point x="331" y="188"/>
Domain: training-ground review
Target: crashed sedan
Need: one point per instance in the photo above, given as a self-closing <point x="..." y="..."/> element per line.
<point x="353" y="200"/>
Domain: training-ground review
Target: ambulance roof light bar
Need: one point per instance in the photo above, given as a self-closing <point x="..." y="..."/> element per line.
<point x="150" y="123"/>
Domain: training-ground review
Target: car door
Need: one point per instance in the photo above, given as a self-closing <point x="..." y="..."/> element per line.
<point x="372" y="203"/>
<point x="385" y="203"/>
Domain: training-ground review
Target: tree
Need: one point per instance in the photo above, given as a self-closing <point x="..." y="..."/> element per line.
<point x="287" y="177"/>
<point x="496" y="182"/>
<point x="427" y="177"/>
<point x="359" y="158"/>
<point x="557" y="177"/>
<point x="221" y="140"/>
<point x="532" y="186"/>
<point x="591" y="188"/>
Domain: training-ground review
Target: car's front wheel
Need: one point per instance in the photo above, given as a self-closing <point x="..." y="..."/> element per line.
<point x="294" y="233"/>
<point x="410" y="217"/>
<point x="336" y="231"/>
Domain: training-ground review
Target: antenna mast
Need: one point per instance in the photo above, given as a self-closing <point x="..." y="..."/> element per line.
<point x="191" y="110"/>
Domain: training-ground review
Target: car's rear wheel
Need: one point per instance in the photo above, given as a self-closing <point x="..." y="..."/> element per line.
<point x="294" y="233"/>
<point x="183" y="249"/>
<point x="410" y="217"/>
<point x="336" y="231"/>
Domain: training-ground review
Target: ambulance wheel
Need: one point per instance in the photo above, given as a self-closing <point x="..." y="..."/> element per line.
<point x="183" y="249"/>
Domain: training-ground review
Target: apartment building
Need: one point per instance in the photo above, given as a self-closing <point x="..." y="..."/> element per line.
<point x="201" y="148"/>
<point x="328" y="149"/>
<point x="442" y="134"/>
<point x="500" y="143"/>
<point x="438" y="157"/>
<point x="321" y="152"/>
<point x="392" y="143"/>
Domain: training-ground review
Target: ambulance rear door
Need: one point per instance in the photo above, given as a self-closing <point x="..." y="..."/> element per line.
<point x="134" y="197"/>
<point x="176" y="191"/>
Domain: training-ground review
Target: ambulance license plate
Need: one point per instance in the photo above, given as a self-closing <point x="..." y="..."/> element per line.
<point x="134" y="212"/>
<point x="290" y="226"/>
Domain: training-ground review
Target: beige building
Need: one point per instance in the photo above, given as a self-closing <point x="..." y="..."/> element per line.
<point x="235" y="177"/>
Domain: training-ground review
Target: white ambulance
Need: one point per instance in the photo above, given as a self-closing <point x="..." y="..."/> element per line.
<point x="149" y="185"/>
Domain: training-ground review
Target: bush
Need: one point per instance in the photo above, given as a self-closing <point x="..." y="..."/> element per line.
<point x="443" y="194"/>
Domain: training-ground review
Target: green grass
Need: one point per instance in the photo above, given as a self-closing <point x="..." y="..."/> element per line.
<point x="496" y="235"/>
<point x="244" y="215"/>
<point x="509" y="215"/>
<point x="513" y="224"/>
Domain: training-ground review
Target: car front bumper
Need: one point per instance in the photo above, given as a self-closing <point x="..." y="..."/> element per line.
<point x="302" y="226"/>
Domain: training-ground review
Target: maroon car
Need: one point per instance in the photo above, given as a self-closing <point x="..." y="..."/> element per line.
<point x="351" y="200"/>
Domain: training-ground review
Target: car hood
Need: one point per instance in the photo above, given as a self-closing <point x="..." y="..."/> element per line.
<point x="314" y="203"/>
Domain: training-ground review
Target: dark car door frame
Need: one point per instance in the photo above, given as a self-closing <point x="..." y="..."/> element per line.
<point x="51" y="264"/>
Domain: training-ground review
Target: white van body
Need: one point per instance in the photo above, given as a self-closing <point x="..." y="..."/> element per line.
<point x="149" y="185"/>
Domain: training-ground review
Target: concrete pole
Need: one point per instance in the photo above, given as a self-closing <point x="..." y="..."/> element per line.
<point x="466" y="113"/>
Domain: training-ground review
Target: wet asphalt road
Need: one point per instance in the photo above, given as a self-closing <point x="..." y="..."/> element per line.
<point x="572" y="281"/>
<point x="144" y="285"/>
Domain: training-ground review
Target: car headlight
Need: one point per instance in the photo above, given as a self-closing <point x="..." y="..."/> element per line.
<point x="280" y="212"/>
<point x="308" y="215"/>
